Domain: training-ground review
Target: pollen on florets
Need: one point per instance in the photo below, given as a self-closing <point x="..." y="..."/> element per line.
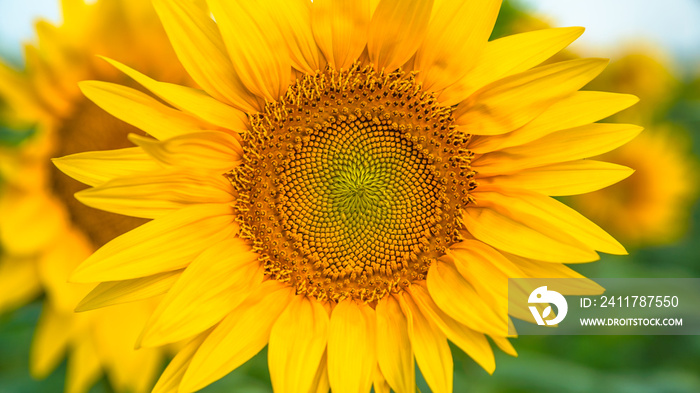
<point x="352" y="184"/>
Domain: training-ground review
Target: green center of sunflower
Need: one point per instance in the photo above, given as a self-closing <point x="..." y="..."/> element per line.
<point x="353" y="184"/>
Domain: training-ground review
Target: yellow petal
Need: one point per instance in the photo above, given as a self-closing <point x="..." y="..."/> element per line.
<point x="543" y="212"/>
<point x="242" y="334"/>
<point x="568" y="178"/>
<point x="114" y="331"/>
<point x="488" y="270"/>
<point x="152" y="195"/>
<point x="170" y="380"/>
<point x="320" y="383"/>
<point x="17" y="93"/>
<point x="26" y="168"/>
<point x="211" y="151"/>
<point x="396" y="31"/>
<point x="97" y="167"/>
<point x="380" y="385"/>
<point x="29" y="221"/>
<point x="351" y="347"/>
<point x="562" y="146"/>
<point x="255" y="46"/>
<point x="458" y="32"/>
<point x="504" y="345"/>
<point x="506" y="56"/>
<point x="538" y="269"/>
<point x="73" y="11"/>
<point x="473" y="343"/>
<point x="19" y="281"/>
<point x="394" y="353"/>
<point x="293" y="18"/>
<point x="201" y="50"/>
<point x="117" y="329"/>
<point x="217" y="281"/>
<point x="297" y="344"/>
<point x="578" y="109"/>
<point x="512" y="102"/>
<point x="55" y="265"/>
<point x="514" y="235"/>
<point x="84" y="367"/>
<point x="49" y="41"/>
<point x="430" y="347"/>
<point x="117" y="292"/>
<point x="446" y="285"/>
<point x="168" y="243"/>
<point x="472" y="258"/>
<point x="192" y="101"/>
<point x="139" y="110"/>
<point x="340" y="29"/>
<point x="46" y="81"/>
<point x="51" y="338"/>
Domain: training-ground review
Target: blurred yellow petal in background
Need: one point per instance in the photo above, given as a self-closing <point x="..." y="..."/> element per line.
<point x="44" y="231"/>
<point x="652" y="206"/>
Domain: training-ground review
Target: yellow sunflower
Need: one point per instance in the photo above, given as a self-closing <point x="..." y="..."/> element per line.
<point x="44" y="232"/>
<point x="352" y="187"/>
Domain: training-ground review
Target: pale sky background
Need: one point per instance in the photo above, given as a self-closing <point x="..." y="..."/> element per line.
<point x="669" y="25"/>
<point x="672" y="26"/>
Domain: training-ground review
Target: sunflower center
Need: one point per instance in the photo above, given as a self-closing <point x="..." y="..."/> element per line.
<point x="353" y="184"/>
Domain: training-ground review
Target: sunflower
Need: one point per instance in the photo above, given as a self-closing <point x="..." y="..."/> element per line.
<point x="44" y="232"/>
<point x="352" y="187"/>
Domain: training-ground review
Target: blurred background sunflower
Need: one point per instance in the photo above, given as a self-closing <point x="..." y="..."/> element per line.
<point x="44" y="232"/>
<point x="654" y="213"/>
